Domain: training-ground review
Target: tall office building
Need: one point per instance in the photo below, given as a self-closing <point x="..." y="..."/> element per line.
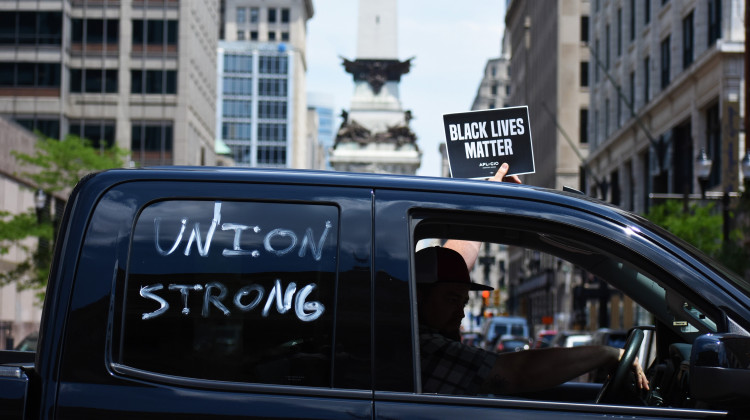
<point x="549" y="73"/>
<point x="262" y="108"/>
<point x="136" y="73"/>
<point x="548" y="56"/>
<point x="667" y="81"/>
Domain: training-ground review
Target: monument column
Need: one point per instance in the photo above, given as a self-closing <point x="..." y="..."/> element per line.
<point x="375" y="134"/>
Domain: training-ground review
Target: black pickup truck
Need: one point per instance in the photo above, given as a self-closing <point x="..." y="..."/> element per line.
<point x="245" y="293"/>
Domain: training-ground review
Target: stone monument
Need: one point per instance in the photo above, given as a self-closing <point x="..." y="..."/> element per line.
<point x="375" y="135"/>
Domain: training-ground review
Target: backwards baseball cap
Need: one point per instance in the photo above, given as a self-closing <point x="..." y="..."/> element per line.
<point x="443" y="265"/>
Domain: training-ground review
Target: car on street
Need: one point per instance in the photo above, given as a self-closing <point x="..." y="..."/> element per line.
<point x="511" y="344"/>
<point x="544" y="338"/>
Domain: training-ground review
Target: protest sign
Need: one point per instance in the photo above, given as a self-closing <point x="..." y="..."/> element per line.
<point x="478" y="142"/>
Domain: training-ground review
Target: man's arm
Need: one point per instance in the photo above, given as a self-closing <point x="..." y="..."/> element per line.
<point x="534" y="370"/>
<point x="470" y="249"/>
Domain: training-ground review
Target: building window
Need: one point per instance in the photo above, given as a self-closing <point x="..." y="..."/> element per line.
<point x="632" y="20"/>
<point x="714" y="21"/>
<point x="236" y="131"/>
<point x="285" y="15"/>
<point x="285" y="36"/>
<point x="606" y="118"/>
<point x="272" y="64"/>
<point x="239" y="86"/>
<point x="493" y="89"/>
<point x="584" y="28"/>
<point x="607" y="48"/>
<point x="646" y="11"/>
<point x="241" y="11"/>
<point x="271" y="35"/>
<point x="713" y="144"/>
<point x="596" y="127"/>
<point x="93" y="80"/>
<point x="583" y="131"/>
<point x="35" y="75"/>
<point x="272" y="132"/>
<point x="687" y="41"/>
<point x="619" y="32"/>
<point x="154" y="32"/>
<point x="151" y="143"/>
<point x="254" y="14"/>
<point x="272" y="15"/>
<point x="101" y="134"/>
<point x="272" y="109"/>
<point x="95" y="31"/>
<point x="31" y="28"/>
<point x="584" y="74"/>
<point x="238" y="63"/>
<point x="665" y="62"/>
<point x="615" y="181"/>
<point x="235" y="108"/>
<point x="646" y="80"/>
<point x="154" y="81"/>
<point x="240" y="35"/>
<point x="271" y="155"/>
<point x="272" y="87"/>
<point x="253" y="35"/>
<point x="596" y="68"/>
<point x="632" y="93"/>
<point x="47" y="127"/>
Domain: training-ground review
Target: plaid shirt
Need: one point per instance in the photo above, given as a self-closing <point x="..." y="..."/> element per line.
<point x="451" y="367"/>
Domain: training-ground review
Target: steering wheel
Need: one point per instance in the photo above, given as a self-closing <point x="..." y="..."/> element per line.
<point x="618" y="380"/>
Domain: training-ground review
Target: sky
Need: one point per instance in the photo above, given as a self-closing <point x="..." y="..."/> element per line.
<point x="450" y="40"/>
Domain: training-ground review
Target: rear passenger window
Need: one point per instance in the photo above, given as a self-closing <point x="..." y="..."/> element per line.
<point x="231" y="291"/>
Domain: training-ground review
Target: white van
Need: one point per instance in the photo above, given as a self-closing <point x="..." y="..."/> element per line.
<point x="503" y="326"/>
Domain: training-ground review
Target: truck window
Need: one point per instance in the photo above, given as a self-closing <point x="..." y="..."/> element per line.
<point x="231" y="291"/>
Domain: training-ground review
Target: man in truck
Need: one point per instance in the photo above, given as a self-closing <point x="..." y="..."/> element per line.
<point x="451" y="367"/>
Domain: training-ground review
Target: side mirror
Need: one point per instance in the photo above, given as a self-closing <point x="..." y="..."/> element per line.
<point x="720" y="369"/>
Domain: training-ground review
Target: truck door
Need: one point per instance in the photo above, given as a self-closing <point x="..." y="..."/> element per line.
<point x="221" y="300"/>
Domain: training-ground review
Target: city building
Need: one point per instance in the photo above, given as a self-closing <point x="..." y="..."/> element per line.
<point x="666" y="83"/>
<point x="375" y="135"/>
<point x="322" y="105"/>
<point x="261" y="111"/>
<point x="494" y="87"/>
<point x="136" y="73"/>
<point x="549" y="73"/>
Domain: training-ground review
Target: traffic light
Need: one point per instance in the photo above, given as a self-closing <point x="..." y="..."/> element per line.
<point x="485" y="298"/>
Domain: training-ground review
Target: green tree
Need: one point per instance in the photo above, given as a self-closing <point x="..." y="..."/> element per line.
<point x="55" y="167"/>
<point x="701" y="226"/>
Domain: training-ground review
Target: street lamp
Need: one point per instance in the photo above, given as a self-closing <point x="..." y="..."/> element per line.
<point x="702" y="170"/>
<point x="40" y="200"/>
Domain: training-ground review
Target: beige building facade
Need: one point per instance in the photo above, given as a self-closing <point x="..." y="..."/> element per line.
<point x="668" y="83"/>
<point x="547" y="48"/>
<point x="136" y="73"/>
